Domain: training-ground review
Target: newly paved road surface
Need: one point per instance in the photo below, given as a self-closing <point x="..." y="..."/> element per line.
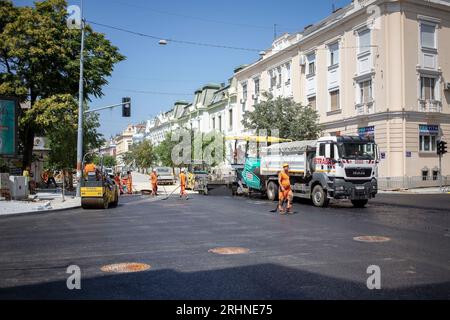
<point x="310" y="254"/>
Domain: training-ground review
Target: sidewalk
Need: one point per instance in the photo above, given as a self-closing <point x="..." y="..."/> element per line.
<point x="44" y="202"/>
<point x="431" y="190"/>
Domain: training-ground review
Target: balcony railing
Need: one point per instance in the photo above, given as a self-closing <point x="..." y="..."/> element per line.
<point x="365" y="108"/>
<point x="430" y="106"/>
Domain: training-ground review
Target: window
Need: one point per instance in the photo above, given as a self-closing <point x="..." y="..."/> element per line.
<point x="427" y="88"/>
<point x="427" y="142"/>
<point x="311" y="65"/>
<point x="334" y="100"/>
<point x="244" y="91"/>
<point x="230" y="119"/>
<point x="256" y="86"/>
<point x="220" y="123"/>
<point x="312" y="102"/>
<point x="424" y="174"/>
<point x="273" y="79"/>
<point x="334" y="54"/>
<point x="428" y="35"/>
<point x="214" y="123"/>
<point x="365" y="89"/>
<point x="288" y="73"/>
<point x="322" y="150"/>
<point x="278" y="77"/>
<point x="364" y="41"/>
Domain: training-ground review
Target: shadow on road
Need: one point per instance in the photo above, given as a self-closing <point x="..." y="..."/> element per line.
<point x="262" y="281"/>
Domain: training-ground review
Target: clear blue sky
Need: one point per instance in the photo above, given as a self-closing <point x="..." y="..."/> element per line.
<point x="178" y="68"/>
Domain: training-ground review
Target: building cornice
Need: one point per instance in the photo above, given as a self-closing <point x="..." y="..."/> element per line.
<point x="388" y="115"/>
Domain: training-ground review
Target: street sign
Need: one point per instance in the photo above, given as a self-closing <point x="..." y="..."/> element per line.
<point x="8" y="126"/>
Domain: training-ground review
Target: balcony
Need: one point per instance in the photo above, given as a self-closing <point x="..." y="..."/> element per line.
<point x="430" y="106"/>
<point x="365" y="108"/>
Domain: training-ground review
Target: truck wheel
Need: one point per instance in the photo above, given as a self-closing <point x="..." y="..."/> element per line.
<point x="319" y="197"/>
<point x="359" y="203"/>
<point x="272" y="189"/>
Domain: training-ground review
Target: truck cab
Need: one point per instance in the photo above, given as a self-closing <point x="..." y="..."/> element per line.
<point x="345" y="167"/>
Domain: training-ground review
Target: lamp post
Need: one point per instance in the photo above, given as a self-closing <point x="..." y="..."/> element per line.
<point x="80" y="108"/>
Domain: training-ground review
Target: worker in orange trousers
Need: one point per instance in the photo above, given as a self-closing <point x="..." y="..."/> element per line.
<point x="285" y="193"/>
<point x="183" y="184"/>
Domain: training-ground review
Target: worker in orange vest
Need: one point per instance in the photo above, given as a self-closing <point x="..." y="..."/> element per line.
<point x="154" y="181"/>
<point x="129" y="183"/>
<point x="183" y="184"/>
<point x="285" y="193"/>
<point x="118" y="182"/>
<point x="90" y="167"/>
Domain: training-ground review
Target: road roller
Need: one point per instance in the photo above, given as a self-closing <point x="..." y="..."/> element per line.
<point x="98" y="191"/>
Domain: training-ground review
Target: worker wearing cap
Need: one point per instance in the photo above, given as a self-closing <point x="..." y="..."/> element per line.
<point x="154" y="181"/>
<point x="285" y="193"/>
<point x="183" y="184"/>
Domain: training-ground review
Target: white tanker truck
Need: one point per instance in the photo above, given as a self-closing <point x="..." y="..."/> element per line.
<point x="335" y="167"/>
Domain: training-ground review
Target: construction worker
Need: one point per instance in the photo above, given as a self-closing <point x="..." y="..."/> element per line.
<point x="51" y="179"/>
<point x="154" y="181"/>
<point x="285" y="193"/>
<point x="118" y="182"/>
<point x="90" y="167"/>
<point x="129" y="183"/>
<point x="183" y="184"/>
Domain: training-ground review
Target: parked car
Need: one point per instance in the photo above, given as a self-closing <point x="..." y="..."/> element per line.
<point x="165" y="175"/>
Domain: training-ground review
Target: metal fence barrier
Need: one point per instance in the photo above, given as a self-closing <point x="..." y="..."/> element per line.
<point x="392" y="183"/>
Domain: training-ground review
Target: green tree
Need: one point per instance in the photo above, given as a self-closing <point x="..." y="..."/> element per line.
<point x="142" y="155"/>
<point x="163" y="151"/>
<point x="39" y="58"/>
<point x="293" y="120"/>
<point x="108" y="161"/>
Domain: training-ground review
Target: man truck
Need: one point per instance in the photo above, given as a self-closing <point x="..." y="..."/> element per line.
<point x="334" y="167"/>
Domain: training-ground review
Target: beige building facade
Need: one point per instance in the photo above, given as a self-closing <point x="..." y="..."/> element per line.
<point x="375" y="67"/>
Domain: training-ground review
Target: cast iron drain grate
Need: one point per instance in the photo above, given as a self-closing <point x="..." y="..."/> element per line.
<point x="229" y="250"/>
<point x="371" y="239"/>
<point x="125" y="267"/>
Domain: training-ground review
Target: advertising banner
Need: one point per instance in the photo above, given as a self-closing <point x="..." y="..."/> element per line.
<point x="8" y="126"/>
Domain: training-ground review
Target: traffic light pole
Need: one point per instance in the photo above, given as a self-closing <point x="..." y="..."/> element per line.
<point x="440" y="172"/>
<point x="106" y="107"/>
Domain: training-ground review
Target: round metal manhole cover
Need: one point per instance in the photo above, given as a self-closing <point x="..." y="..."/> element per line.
<point x="229" y="250"/>
<point x="371" y="239"/>
<point x="125" y="267"/>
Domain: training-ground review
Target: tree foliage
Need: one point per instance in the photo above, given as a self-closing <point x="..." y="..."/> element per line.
<point x="108" y="161"/>
<point x="142" y="155"/>
<point x="39" y="58"/>
<point x="163" y="151"/>
<point x="57" y="117"/>
<point x="291" y="119"/>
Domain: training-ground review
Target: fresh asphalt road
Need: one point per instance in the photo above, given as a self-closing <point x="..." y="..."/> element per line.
<point x="308" y="255"/>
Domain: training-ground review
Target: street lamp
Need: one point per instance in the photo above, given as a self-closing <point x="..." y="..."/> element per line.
<point x="80" y="108"/>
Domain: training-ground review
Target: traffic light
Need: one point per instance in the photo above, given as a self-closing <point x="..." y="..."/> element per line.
<point x="126" y="107"/>
<point x="441" y="147"/>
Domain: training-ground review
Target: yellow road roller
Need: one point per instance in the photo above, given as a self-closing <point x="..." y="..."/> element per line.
<point x="98" y="191"/>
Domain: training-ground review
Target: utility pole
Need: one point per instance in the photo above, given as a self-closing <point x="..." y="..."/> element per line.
<point x="80" y="108"/>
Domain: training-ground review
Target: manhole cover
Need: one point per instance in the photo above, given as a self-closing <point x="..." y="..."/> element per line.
<point x="371" y="239"/>
<point x="229" y="250"/>
<point x="125" y="267"/>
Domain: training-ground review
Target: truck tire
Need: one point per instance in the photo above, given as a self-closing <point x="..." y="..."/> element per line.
<point x="272" y="191"/>
<point x="319" y="197"/>
<point x="359" y="203"/>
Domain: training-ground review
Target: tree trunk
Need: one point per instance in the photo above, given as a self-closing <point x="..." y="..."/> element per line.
<point x="28" y="145"/>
